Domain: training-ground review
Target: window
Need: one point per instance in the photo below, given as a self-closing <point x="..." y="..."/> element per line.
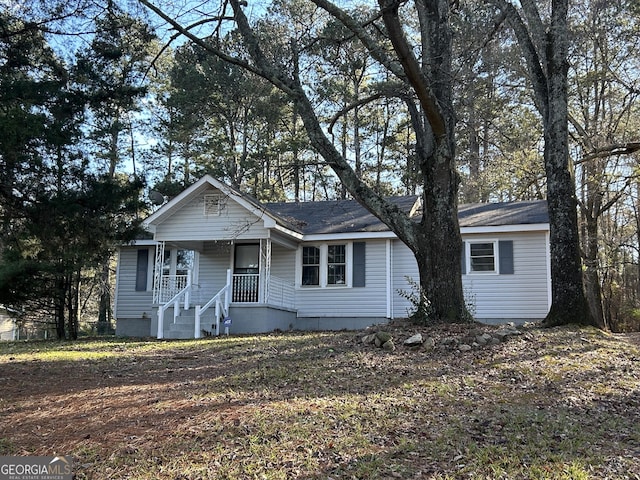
<point x="247" y="259"/>
<point x="310" y="266"/>
<point x="166" y="264"/>
<point x="482" y="257"/>
<point x="184" y="261"/>
<point x="336" y="265"/>
<point x="488" y="257"/>
<point x="178" y="262"/>
<point x="332" y="265"/>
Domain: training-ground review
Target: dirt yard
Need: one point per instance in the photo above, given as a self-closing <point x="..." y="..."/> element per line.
<point x="558" y="403"/>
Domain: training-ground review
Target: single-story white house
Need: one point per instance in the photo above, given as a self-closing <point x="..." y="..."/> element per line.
<point x="217" y="259"/>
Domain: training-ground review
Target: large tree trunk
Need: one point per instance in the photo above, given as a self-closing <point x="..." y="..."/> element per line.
<point x="72" y="305"/>
<point x="569" y="303"/>
<point x="59" y="302"/>
<point x="437" y="243"/>
<point x="104" y="308"/>
<point x="438" y="248"/>
<point x="545" y="49"/>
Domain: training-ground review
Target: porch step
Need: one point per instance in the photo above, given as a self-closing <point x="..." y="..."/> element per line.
<point x="183" y="327"/>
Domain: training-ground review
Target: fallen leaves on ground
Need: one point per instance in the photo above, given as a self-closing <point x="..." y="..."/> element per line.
<point x="560" y="403"/>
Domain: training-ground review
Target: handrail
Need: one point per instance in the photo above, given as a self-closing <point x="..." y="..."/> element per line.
<point x="221" y="306"/>
<point x="175" y="300"/>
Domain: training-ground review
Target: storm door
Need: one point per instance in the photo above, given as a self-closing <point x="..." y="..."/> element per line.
<point x="246" y="272"/>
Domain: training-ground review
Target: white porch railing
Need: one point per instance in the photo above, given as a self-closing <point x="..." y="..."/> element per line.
<point x="170" y="286"/>
<point x="239" y="288"/>
<point x="246" y="287"/>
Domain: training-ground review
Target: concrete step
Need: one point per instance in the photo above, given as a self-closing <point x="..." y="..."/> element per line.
<point x="185" y="319"/>
<point x="179" y="334"/>
<point x="181" y="327"/>
<point x="185" y="324"/>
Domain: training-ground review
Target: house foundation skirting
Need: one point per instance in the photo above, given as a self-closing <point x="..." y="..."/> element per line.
<point x="337" y="323"/>
<point x="133" y="327"/>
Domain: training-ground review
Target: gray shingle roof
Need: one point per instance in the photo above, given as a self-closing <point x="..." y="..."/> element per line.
<point x="334" y="216"/>
<point x="348" y="216"/>
<point x="506" y="213"/>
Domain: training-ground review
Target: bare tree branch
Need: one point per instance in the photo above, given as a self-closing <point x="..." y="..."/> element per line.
<point x="412" y="67"/>
<point x="614" y="149"/>
<point x="210" y="48"/>
<point x="534" y="61"/>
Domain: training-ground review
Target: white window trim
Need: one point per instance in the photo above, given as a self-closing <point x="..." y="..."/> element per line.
<point x="496" y="256"/>
<point x="324" y="266"/>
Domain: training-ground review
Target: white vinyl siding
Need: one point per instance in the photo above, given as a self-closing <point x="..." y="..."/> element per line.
<point x="283" y="263"/>
<point x="8" y="327"/>
<point x="215" y="260"/>
<point x="129" y="302"/>
<point x="404" y="266"/>
<point x="369" y="301"/>
<point x="190" y="223"/>
<point x="522" y="295"/>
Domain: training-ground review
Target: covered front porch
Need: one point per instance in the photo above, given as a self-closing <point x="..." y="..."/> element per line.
<point x="199" y="287"/>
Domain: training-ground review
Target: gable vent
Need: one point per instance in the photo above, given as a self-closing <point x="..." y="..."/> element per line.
<point x="213" y="204"/>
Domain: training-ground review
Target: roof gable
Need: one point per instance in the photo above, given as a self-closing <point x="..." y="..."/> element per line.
<point x="200" y="187"/>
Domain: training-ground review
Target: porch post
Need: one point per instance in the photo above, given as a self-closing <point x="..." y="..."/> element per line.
<point x="227" y="292"/>
<point x="217" y="315"/>
<point x="187" y="294"/>
<point x="176" y="310"/>
<point x="160" y="322"/>
<point x="265" y="270"/>
<point x="196" y="333"/>
<point x="157" y="272"/>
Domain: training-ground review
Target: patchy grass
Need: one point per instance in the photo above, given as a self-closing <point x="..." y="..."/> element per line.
<point x="562" y="403"/>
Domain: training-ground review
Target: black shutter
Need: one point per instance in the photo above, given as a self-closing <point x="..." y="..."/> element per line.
<point x="359" y="270"/>
<point x="505" y="250"/>
<point x="142" y="268"/>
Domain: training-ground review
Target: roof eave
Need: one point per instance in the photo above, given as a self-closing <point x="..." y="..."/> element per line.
<point x="520" y="227"/>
